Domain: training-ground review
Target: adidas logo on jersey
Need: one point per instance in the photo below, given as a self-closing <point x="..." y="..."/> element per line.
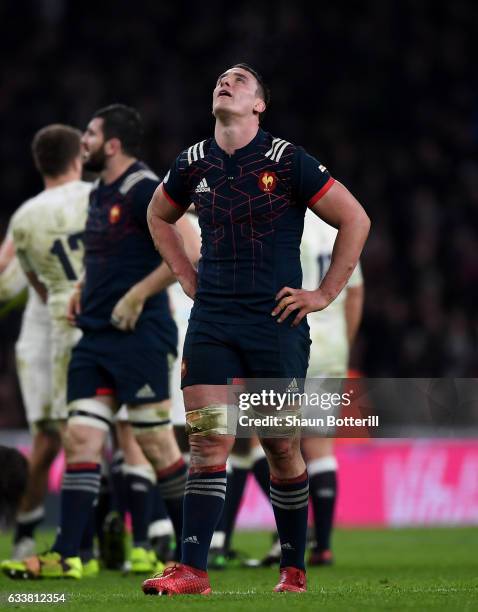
<point x="202" y="187"/>
<point x="191" y="540"/>
<point x="145" y="392"/>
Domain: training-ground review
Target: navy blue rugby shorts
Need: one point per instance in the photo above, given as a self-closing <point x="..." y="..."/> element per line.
<point x="216" y="352"/>
<point x="132" y="366"/>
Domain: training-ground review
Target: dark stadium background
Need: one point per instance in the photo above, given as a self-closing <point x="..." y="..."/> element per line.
<point x="384" y="93"/>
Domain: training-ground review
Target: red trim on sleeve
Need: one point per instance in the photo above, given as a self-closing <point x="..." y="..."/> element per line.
<point x="322" y="191"/>
<point x="170" y="199"/>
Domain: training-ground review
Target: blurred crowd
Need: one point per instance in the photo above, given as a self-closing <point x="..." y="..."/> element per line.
<point x="383" y="92"/>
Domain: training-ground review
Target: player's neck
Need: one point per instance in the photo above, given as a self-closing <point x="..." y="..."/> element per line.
<point x="234" y="134"/>
<point x="115" y="167"/>
<point x="51" y="182"/>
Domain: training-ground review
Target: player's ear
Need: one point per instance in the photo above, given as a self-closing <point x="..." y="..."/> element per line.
<point x="112" y="146"/>
<point x="259" y="106"/>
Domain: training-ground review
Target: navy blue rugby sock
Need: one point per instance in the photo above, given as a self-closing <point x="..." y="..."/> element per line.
<point x="290" y="502"/>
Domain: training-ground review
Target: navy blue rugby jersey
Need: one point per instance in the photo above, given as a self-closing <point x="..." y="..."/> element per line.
<point x="119" y="250"/>
<point x="251" y="208"/>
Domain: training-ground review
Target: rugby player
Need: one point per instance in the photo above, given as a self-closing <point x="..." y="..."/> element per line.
<point x="45" y="232"/>
<point x="129" y="338"/>
<point x="250" y="191"/>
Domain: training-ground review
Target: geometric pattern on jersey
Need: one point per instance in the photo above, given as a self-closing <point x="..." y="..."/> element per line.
<point x="250" y="207"/>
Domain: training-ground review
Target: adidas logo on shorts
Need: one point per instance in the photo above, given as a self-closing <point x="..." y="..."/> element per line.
<point x="191" y="540"/>
<point x="287" y="546"/>
<point x="145" y="392"/>
<point x="202" y="187"/>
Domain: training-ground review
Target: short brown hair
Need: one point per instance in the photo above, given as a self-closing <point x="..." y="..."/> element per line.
<point x="54" y="147"/>
<point x="264" y="91"/>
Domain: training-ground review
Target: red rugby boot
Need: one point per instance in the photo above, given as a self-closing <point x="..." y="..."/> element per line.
<point x="323" y="557"/>
<point x="292" y="580"/>
<point x="178" y="580"/>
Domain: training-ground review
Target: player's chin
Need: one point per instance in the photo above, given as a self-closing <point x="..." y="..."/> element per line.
<point x="222" y="107"/>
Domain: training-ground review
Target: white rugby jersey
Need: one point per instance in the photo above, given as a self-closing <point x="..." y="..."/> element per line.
<point x="47" y="231"/>
<point x="329" y="351"/>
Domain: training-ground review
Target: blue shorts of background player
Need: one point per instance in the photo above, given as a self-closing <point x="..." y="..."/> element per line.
<point x="134" y="367"/>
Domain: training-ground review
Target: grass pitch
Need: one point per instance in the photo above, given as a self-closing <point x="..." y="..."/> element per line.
<point x="405" y="569"/>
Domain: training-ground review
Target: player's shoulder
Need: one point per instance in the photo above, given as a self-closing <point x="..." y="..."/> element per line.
<point x="277" y="149"/>
<point x="139" y="177"/>
<point x="194" y="153"/>
<point x="26" y="210"/>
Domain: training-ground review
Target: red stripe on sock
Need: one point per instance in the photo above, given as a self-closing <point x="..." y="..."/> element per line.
<point x="171" y="469"/>
<point x="208" y="469"/>
<point x="286" y="481"/>
<point x="78" y="467"/>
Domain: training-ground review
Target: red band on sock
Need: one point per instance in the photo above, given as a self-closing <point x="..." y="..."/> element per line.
<point x="207" y="469"/>
<point x="286" y="481"/>
<point x="78" y="467"/>
<point x="171" y="469"/>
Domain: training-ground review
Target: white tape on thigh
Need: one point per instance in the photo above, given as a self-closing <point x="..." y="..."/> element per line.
<point x="150" y="416"/>
<point x="90" y="412"/>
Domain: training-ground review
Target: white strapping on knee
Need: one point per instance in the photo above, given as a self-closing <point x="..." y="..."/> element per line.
<point x="324" y="464"/>
<point x="150" y="416"/>
<point x="143" y="470"/>
<point x="36" y="514"/>
<point x="90" y="412"/>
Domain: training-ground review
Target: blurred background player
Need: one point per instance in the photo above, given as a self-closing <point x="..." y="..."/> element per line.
<point x="250" y="191"/>
<point x="45" y="232"/>
<point x="332" y="332"/>
<point x="128" y="343"/>
<point x="32" y="351"/>
<point x="13" y="481"/>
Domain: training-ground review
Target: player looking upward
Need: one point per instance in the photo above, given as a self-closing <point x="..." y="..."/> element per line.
<point x="250" y="191"/>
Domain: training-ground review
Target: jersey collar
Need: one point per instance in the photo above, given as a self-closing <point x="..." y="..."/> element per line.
<point x="258" y="139"/>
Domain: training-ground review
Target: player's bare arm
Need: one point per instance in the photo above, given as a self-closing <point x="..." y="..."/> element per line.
<point x="353" y="311"/>
<point x="127" y="311"/>
<point x="73" y="308"/>
<point x="12" y="280"/>
<point x="36" y="283"/>
<point x="338" y="208"/>
<point x="162" y="222"/>
<point x="7" y="253"/>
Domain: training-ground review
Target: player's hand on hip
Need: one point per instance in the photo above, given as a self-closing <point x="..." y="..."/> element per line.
<point x="73" y="308"/>
<point x="127" y="311"/>
<point x="290" y="300"/>
<point x="189" y="284"/>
